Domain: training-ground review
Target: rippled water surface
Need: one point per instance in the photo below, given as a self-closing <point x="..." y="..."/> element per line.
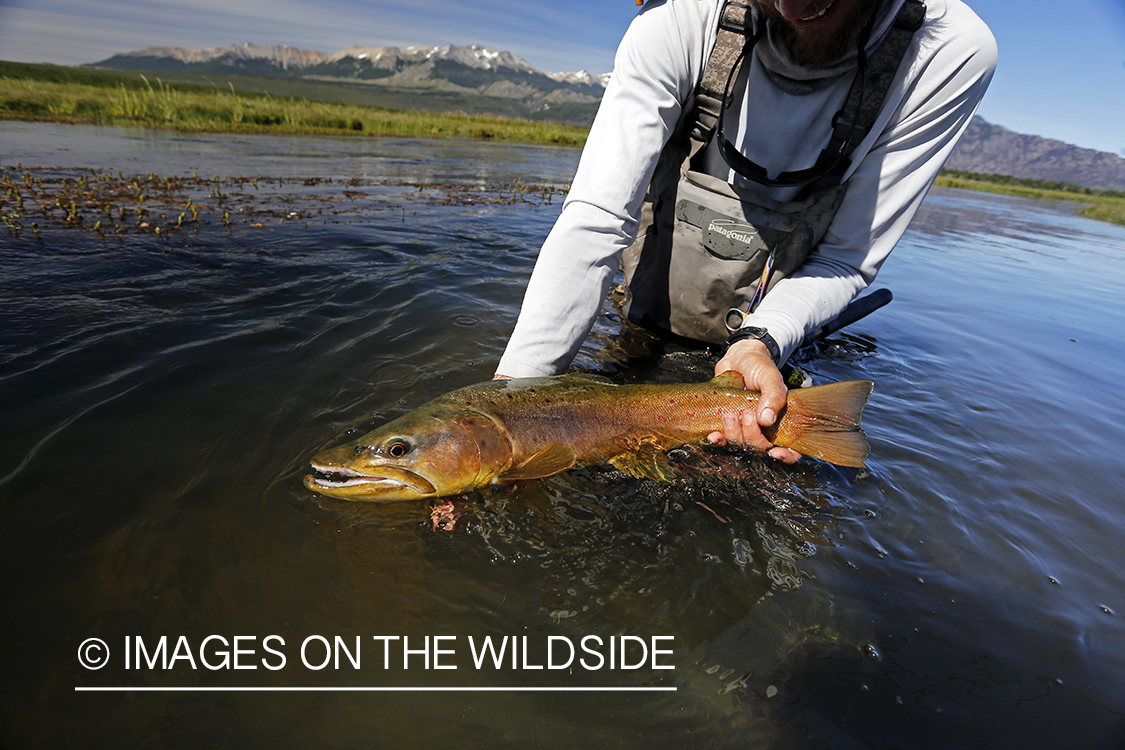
<point x="162" y="395"/>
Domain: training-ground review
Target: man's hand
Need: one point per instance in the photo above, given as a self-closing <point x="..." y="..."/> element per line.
<point x="752" y="360"/>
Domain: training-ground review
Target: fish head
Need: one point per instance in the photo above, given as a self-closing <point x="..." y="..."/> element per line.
<point x="433" y="451"/>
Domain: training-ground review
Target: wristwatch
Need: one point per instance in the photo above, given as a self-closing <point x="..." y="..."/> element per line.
<point x="753" y="332"/>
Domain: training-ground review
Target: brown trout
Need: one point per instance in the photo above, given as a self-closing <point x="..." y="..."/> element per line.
<point x="504" y="431"/>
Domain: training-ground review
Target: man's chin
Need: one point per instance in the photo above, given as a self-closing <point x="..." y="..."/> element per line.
<point x="821" y="45"/>
<point x="815" y="50"/>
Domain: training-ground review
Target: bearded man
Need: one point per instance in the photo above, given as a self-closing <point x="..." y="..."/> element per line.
<point x="778" y="146"/>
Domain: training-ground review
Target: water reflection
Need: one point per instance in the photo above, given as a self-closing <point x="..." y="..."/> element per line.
<point x="162" y="398"/>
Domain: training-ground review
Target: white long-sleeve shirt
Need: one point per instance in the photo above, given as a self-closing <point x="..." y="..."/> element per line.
<point x="660" y="60"/>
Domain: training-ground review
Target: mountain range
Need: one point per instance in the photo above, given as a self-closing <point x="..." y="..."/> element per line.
<point x="479" y="80"/>
<point x="512" y="85"/>
<point x="991" y="149"/>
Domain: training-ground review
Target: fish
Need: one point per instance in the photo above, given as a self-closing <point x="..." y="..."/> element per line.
<point x="506" y="431"/>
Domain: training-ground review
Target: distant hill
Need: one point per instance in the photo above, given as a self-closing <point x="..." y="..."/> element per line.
<point x="991" y="149"/>
<point x="447" y="72"/>
<point x="250" y="59"/>
<point x="478" y="80"/>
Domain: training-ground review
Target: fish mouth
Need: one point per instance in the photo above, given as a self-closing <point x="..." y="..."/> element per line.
<point x="391" y="483"/>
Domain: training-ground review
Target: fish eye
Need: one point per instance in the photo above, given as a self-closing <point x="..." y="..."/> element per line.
<point x="396" y="447"/>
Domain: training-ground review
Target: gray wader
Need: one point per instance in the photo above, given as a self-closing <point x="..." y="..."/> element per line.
<point x="702" y="243"/>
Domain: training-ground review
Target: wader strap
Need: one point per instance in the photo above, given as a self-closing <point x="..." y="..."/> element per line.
<point x="729" y="42"/>
<point x="861" y="107"/>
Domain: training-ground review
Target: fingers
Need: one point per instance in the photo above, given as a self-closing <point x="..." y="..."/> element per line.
<point x="741" y="429"/>
<point x="785" y="455"/>
<point x="744" y="429"/>
<point x="773" y="398"/>
<point x="752" y="360"/>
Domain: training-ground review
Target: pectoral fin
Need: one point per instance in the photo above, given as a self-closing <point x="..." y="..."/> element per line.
<point x="647" y="462"/>
<point x="553" y="459"/>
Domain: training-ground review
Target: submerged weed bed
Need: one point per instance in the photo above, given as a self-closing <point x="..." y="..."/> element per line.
<point x="34" y="198"/>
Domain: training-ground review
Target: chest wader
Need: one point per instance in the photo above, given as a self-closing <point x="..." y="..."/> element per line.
<point x="703" y="243"/>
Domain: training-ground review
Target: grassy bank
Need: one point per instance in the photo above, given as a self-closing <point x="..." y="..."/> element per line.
<point x="50" y="93"/>
<point x="1104" y="205"/>
<point x="68" y="95"/>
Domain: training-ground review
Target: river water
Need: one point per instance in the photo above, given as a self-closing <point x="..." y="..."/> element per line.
<point x="162" y="394"/>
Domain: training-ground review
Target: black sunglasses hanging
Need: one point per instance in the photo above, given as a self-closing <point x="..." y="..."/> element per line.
<point x="832" y="159"/>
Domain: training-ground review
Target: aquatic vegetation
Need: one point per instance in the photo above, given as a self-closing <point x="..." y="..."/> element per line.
<point x="32" y="198"/>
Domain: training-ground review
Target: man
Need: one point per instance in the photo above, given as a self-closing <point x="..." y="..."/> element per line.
<point x="788" y="95"/>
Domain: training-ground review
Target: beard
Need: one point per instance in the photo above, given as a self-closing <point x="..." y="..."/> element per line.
<point x="820" y="49"/>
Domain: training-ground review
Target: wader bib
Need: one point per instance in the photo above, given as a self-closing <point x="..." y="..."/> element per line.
<point x="702" y="243"/>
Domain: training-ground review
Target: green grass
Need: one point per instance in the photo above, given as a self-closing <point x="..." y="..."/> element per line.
<point x="1104" y="205"/>
<point x="69" y="95"/>
<point x="1103" y="212"/>
<point x="50" y="93"/>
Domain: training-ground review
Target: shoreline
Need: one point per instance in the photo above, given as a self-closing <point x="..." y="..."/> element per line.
<point x="37" y="93"/>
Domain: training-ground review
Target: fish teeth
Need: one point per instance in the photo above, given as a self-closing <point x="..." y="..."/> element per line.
<point x="343" y="470"/>
<point x="357" y="481"/>
<point x="340" y="476"/>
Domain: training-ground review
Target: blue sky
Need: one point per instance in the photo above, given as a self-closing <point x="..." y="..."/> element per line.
<point x="1061" y="74"/>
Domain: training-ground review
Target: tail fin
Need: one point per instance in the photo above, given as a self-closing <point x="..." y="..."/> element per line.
<point x="823" y="422"/>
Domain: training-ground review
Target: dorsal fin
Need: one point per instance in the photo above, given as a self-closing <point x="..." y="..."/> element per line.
<point x="552" y="459"/>
<point x="593" y="377"/>
<point x="728" y="379"/>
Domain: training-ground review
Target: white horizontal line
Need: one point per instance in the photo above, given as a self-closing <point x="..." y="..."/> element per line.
<point x="527" y="689"/>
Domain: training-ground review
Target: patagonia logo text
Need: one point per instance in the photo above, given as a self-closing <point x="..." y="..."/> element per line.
<point x="736" y="230"/>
